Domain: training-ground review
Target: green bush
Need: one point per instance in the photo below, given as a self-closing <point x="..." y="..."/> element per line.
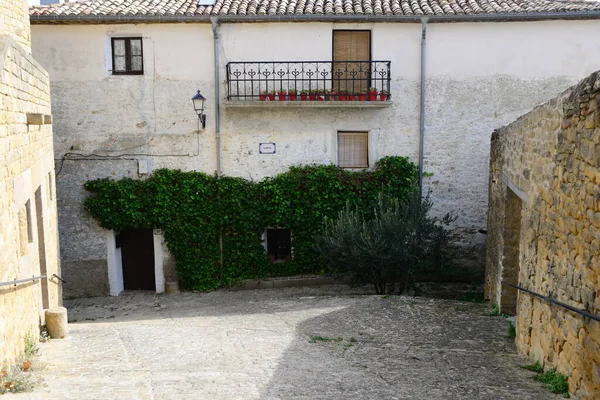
<point x="387" y="243"/>
<point x="200" y="213"/>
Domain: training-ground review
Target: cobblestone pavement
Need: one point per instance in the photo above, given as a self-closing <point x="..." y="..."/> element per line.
<point x="295" y="343"/>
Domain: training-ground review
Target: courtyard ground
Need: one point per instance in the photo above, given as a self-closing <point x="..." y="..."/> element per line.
<point x="294" y="343"/>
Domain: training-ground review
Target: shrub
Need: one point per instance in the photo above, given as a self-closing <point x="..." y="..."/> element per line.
<point x="386" y="244"/>
<point x="555" y="382"/>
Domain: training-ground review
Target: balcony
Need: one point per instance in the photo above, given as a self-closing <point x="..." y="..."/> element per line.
<point x="316" y="84"/>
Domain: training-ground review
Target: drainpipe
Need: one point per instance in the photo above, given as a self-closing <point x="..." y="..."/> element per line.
<point x="215" y="28"/>
<point x="422" y="103"/>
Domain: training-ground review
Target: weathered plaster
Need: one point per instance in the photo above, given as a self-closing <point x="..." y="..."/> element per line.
<point x="159" y="273"/>
<point x="479" y="76"/>
<point x="114" y="264"/>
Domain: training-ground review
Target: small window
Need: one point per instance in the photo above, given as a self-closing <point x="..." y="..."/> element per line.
<point x="23" y="231"/>
<point x="29" y="225"/>
<point x="127" y="56"/>
<point x="50" y="187"/>
<point x="279" y="245"/>
<point x="353" y="149"/>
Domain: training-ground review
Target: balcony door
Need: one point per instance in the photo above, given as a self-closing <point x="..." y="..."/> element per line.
<point x="349" y="46"/>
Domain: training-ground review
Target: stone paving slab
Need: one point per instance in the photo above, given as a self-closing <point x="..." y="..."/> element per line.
<point x="293" y="343"/>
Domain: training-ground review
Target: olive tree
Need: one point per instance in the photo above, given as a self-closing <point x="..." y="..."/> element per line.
<point x="386" y="244"/>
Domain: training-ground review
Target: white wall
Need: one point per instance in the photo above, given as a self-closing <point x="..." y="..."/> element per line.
<point x="479" y="76"/>
<point x="96" y="112"/>
<point x="309" y="135"/>
<point x="528" y="50"/>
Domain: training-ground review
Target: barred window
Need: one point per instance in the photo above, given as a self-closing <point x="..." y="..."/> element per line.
<point x="279" y="244"/>
<point x="127" y="56"/>
<point x="353" y="149"/>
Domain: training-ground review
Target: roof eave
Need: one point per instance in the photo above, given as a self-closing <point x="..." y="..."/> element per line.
<point x="136" y="19"/>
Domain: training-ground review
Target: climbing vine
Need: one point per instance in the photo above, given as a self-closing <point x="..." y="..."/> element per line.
<point x="200" y="213"/>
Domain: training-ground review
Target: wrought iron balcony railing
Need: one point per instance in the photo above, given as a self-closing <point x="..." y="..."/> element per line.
<point x="308" y="80"/>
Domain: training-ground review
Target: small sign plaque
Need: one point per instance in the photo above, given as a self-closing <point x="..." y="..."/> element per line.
<point x="267" y="148"/>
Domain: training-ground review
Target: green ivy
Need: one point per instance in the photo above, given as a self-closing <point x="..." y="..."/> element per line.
<point x="199" y="213"/>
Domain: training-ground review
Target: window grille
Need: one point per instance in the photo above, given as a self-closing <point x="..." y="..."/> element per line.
<point x="279" y="244"/>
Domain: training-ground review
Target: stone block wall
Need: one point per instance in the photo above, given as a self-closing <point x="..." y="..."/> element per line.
<point x="550" y="160"/>
<point x="28" y="216"/>
<point x="14" y="20"/>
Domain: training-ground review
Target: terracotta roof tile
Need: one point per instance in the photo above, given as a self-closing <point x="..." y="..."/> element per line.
<point x="140" y="8"/>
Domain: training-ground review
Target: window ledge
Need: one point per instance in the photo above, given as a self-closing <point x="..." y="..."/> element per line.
<point x="306" y="104"/>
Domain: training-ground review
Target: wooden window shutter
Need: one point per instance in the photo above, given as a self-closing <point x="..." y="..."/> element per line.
<point x="353" y="149"/>
<point x="351" y="46"/>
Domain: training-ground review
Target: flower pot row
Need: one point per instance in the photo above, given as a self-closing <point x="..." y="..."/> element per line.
<point x="320" y="95"/>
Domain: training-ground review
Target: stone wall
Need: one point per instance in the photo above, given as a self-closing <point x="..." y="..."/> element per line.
<point x="550" y="160"/>
<point x="14" y="21"/>
<point x="28" y="216"/>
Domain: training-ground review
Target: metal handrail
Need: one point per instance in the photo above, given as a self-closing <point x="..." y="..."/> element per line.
<point x="585" y="313"/>
<point x="18" y="281"/>
<point x="248" y="80"/>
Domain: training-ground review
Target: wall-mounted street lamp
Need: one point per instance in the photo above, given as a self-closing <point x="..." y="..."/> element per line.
<point x="198" y="101"/>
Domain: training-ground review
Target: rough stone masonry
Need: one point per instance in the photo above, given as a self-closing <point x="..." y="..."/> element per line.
<point x="544" y="231"/>
<point x="28" y="223"/>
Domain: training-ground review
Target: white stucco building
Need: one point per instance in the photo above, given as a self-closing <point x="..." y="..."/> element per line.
<point x="122" y="75"/>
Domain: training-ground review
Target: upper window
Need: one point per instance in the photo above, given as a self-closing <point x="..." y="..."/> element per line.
<point x="350" y="47"/>
<point x="353" y="149"/>
<point x="127" y="56"/>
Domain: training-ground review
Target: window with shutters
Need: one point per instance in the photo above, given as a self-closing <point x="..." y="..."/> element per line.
<point x="127" y="56"/>
<point x="351" y="60"/>
<point x="353" y="149"/>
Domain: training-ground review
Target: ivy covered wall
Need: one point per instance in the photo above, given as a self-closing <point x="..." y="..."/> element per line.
<point x="204" y="216"/>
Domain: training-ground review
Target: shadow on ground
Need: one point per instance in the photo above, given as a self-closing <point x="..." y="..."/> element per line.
<point x="404" y="348"/>
<point x="295" y="343"/>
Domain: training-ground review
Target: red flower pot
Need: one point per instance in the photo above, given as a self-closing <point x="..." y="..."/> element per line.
<point x="350" y="97"/>
<point x="343" y="97"/>
<point x="303" y="97"/>
<point x="272" y="96"/>
<point x="320" y="97"/>
<point x="332" y="96"/>
<point x="372" y="96"/>
<point x="313" y="97"/>
<point x="263" y="96"/>
<point x="362" y="97"/>
<point x="281" y="96"/>
<point x="383" y="96"/>
<point x="292" y="96"/>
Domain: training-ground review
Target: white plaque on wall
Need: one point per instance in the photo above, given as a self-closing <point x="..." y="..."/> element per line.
<point x="267" y="148"/>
